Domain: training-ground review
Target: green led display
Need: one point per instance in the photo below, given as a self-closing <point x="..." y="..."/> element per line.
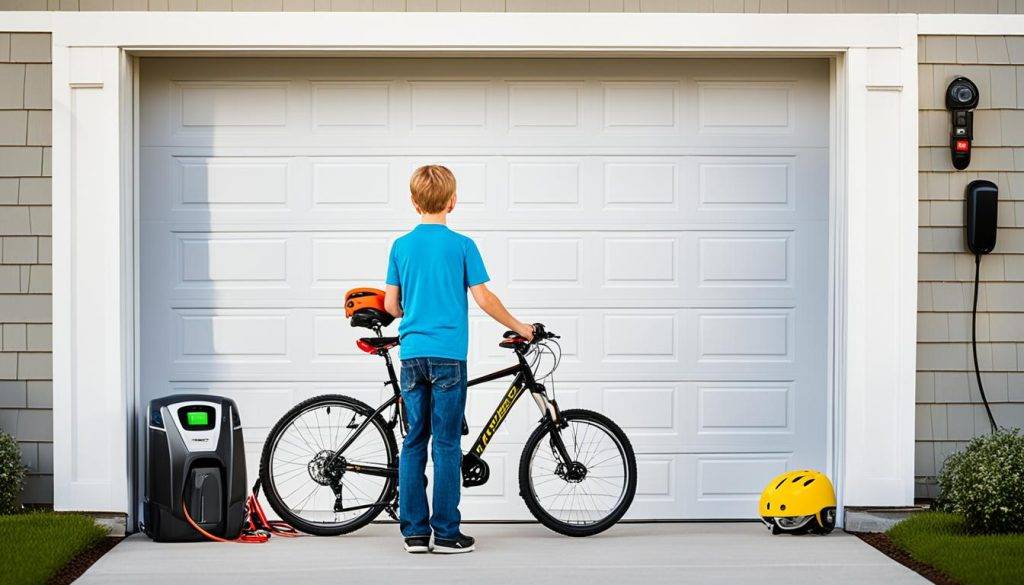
<point x="197" y="418"/>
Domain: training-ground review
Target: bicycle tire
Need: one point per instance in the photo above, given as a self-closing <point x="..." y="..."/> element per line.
<point x="270" y="489"/>
<point x="534" y="505"/>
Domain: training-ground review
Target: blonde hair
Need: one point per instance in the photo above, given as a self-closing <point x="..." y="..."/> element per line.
<point x="432" y="187"/>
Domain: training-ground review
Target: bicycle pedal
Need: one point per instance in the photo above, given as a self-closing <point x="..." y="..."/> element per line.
<point x="392" y="509"/>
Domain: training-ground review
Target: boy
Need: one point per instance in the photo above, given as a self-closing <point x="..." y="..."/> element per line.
<point x="429" y="271"/>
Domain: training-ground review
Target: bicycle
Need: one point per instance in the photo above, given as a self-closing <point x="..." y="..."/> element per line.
<point x="330" y="465"/>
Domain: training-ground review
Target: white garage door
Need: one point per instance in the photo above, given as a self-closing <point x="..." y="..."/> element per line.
<point x="667" y="217"/>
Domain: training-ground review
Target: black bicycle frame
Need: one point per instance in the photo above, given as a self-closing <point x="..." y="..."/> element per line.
<point x="522" y="381"/>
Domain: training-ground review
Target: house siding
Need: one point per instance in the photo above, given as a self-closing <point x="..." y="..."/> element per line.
<point x="948" y="412"/>
<point x="26" y="389"/>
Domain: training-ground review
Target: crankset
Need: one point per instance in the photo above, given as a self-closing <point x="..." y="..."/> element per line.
<point x="475" y="471"/>
<point x="392" y="507"/>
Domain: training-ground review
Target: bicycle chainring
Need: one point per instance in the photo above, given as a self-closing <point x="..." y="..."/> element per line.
<point x="392" y="507"/>
<point x="475" y="471"/>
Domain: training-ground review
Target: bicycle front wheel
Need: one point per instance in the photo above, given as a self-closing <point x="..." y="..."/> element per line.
<point x="588" y="494"/>
<point x="299" y="462"/>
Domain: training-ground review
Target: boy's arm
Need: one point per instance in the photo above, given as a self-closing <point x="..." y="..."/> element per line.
<point x="493" y="306"/>
<point x="393" y="300"/>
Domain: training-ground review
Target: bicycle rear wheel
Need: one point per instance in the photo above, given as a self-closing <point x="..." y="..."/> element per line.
<point x="592" y="492"/>
<point x="296" y="465"/>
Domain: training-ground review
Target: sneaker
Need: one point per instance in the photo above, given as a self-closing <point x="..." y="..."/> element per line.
<point x="417" y="544"/>
<point x="462" y="544"/>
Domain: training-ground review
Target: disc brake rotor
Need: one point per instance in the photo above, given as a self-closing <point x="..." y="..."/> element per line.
<point x="575" y="472"/>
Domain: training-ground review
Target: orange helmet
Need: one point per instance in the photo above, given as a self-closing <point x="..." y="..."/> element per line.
<point x="365" y="307"/>
<point x="363" y="298"/>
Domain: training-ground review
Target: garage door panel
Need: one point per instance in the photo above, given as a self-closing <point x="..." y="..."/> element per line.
<point x="350" y="107"/>
<point x="707" y="416"/>
<point x="746" y="106"/>
<point x="347" y="260"/>
<point x="233" y="181"/>
<point x="736" y="183"/>
<point x="641" y="107"/>
<point x="727" y="336"/>
<point x="646" y="191"/>
<point x="657" y="488"/>
<point x="587" y="102"/>
<point x="538" y="107"/>
<point x="201" y="107"/>
<point x="232" y="335"/>
<point x="708" y="486"/>
<point x="678" y="267"/>
<point x="667" y="217"/>
<point x="567" y="267"/>
<point x="614" y="344"/>
<point x="743" y="259"/>
<point x="720" y="485"/>
<point x="236" y="259"/>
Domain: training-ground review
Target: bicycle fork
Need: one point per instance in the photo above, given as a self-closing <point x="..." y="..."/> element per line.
<point x="551" y="415"/>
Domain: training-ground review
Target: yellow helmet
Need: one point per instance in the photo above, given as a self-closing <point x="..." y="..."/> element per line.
<point x="798" y="502"/>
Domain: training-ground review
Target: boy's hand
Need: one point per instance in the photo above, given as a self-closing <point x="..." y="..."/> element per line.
<point x="525" y="331"/>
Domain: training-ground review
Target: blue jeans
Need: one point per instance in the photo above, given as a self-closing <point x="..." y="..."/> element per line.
<point x="434" y="394"/>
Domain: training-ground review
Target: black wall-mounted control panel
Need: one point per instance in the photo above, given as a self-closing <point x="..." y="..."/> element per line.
<point x="961" y="98"/>
<point x="981" y="210"/>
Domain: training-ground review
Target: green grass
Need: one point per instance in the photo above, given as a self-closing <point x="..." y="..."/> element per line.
<point x="940" y="540"/>
<point x="36" y="545"/>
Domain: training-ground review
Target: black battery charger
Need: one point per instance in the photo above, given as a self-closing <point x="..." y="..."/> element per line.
<point x="981" y="207"/>
<point x="195" y="459"/>
<point x="981" y="211"/>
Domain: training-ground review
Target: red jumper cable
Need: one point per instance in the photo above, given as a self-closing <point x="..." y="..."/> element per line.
<point x="257" y="528"/>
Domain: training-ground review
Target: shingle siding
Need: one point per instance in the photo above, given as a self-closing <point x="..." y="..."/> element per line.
<point x="26" y="365"/>
<point x="947" y="412"/>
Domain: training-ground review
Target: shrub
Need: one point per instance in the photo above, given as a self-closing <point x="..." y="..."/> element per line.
<point x="985" y="483"/>
<point x="12" y="474"/>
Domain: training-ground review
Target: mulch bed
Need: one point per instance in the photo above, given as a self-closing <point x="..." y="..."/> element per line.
<point x="883" y="543"/>
<point x="84" y="560"/>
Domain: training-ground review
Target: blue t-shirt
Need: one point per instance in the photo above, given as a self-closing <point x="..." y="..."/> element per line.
<point x="434" y="267"/>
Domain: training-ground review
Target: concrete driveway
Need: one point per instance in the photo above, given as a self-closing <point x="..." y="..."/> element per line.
<point x="523" y="554"/>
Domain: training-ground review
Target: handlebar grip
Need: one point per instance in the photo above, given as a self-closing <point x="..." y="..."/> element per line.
<point x="539" y="333"/>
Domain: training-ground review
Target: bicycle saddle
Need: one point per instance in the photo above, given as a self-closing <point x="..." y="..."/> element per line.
<point x="375" y="344"/>
<point x="379" y="342"/>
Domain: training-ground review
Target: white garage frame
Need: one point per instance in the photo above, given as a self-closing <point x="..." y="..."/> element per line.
<point x="872" y="225"/>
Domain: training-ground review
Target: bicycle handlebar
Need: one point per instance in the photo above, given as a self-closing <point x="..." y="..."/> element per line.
<point x="539" y="333"/>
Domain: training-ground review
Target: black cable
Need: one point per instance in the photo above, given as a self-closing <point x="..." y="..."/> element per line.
<point x="974" y="341"/>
